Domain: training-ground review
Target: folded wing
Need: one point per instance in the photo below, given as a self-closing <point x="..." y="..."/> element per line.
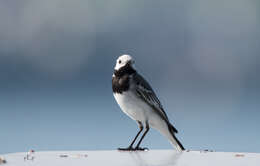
<point x="146" y="93"/>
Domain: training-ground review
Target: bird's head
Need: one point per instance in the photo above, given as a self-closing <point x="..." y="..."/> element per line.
<point x="124" y="61"/>
<point x="124" y="65"/>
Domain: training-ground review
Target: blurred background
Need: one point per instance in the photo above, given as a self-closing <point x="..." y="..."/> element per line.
<point x="57" y="59"/>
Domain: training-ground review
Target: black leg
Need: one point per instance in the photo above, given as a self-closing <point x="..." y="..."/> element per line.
<point x="138" y="144"/>
<point x="130" y="147"/>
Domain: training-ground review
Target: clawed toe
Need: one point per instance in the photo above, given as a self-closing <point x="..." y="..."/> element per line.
<point x="126" y="149"/>
<point x="141" y="149"/>
<point x="133" y="149"/>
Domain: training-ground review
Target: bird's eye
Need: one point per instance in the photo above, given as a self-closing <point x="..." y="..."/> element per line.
<point x="119" y="61"/>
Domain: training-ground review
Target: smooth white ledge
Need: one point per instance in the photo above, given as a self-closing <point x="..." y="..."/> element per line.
<point x="119" y="158"/>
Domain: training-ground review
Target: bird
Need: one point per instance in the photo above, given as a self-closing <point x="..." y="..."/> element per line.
<point x="137" y="99"/>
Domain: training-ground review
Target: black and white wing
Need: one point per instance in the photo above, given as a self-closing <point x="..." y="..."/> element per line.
<point x="146" y="93"/>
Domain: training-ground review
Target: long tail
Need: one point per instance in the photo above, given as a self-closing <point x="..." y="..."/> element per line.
<point x="175" y="142"/>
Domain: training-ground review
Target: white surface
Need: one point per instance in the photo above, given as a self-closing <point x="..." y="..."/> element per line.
<point x="149" y="158"/>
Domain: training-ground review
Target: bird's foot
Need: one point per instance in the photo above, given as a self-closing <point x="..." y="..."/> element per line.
<point x="130" y="148"/>
<point x="141" y="149"/>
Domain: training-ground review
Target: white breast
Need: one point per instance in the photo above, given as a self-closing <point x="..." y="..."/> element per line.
<point x="133" y="106"/>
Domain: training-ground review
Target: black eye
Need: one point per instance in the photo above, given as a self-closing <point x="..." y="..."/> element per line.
<point x="119" y="61"/>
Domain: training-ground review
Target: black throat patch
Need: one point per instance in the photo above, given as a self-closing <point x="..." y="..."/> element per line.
<point x="120" y="82"/>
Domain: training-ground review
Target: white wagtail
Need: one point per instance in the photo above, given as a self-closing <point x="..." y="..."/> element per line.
<point x="137" y="99"/>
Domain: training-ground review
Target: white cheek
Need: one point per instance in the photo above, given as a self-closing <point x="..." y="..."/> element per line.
<point x="118" y="66"/>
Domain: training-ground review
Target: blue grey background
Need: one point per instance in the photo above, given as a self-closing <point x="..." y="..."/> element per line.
<point x="57" y="58"/>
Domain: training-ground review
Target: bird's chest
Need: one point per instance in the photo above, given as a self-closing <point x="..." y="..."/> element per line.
<point x="123" y="91"/>
<point x="128" y="103"/>
<point x="131" y="105"/>
<point x="120" y="84"/>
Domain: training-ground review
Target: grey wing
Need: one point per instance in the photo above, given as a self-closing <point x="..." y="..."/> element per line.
<point x="146" y="93"/>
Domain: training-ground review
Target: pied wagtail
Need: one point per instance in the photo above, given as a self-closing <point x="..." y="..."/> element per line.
<point x="137" y="99"/>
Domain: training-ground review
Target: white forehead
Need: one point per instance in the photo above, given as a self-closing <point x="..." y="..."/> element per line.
<point x="125" y="58"/>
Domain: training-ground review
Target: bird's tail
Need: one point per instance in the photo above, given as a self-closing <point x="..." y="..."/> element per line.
<point x="174" y="141"/>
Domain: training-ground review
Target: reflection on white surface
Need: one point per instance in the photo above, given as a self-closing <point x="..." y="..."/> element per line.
<point x="149" y="159"/>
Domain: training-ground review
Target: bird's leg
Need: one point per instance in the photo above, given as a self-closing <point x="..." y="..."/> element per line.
<point x="130" y="147"/>
<point x="138" y="144"/>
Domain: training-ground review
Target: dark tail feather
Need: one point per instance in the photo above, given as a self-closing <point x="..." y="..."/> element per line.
<point x="179" y="143"/>
<point x="173" y="130"/>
